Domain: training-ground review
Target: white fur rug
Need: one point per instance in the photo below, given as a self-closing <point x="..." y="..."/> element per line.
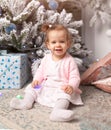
<point x="93" y="115"/>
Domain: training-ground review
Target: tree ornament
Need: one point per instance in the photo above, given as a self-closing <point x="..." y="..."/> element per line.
<point x="9" y="28"/>
<point x="32" y="56"/>
<point x="40" y="53"/>
<point x="53" y="4"/>
<point x="39" y="41"/>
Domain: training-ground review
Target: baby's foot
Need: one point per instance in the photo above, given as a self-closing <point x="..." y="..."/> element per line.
<point x="62" y="115"/>
<point x="19" y="104"/>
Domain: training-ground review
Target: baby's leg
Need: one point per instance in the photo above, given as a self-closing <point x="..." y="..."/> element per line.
<point x="60" y="112"/>
<point x="26" y="102"/>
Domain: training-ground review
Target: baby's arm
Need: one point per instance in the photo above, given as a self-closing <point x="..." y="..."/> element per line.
<point x="39" y="75"/>
<point x="74" y="78"/>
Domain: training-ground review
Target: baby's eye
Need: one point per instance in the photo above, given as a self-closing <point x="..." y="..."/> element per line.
<point x="62" y="41"/>
<point x="53" y="42"/>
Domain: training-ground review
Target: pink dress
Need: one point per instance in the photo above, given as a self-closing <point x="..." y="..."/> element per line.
<point x="53" y="75"/>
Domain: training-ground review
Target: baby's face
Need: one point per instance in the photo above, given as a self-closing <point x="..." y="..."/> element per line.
<point x="58" y="43"/>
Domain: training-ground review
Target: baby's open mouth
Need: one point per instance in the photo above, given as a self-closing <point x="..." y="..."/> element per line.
<point x="58" y="49"/>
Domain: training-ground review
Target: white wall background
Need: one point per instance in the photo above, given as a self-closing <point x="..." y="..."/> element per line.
<point x="95" y="37"/>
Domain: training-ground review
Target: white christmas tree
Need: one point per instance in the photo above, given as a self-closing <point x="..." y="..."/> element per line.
<point x="20" y="23"/>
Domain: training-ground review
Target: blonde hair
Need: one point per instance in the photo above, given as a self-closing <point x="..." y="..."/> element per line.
<point x="46" y="28"/>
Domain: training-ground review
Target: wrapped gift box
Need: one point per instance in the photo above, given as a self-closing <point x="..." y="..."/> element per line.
<point x="14" y="70"/>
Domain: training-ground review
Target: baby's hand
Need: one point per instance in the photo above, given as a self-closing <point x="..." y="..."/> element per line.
<point x="34" y="83"/>
<point x="68" y="89"/>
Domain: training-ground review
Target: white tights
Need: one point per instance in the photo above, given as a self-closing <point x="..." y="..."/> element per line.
<point x="60" y="111"/>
